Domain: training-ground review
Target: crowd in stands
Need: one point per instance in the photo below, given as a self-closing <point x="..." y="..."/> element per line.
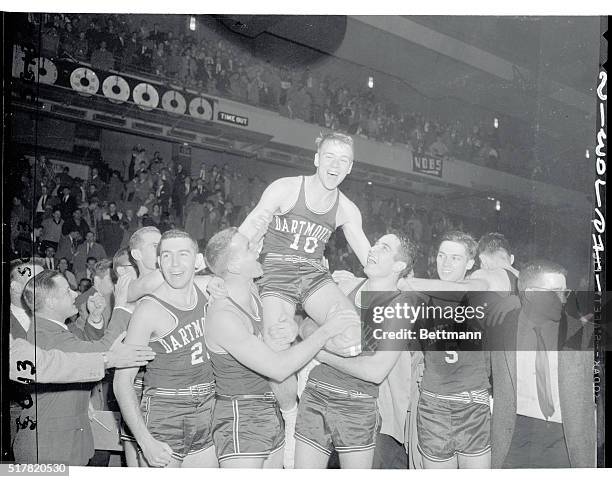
<point x="74" y="223"/>
<point x="212" y="65"/>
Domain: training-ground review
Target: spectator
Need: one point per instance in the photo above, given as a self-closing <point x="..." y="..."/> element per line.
<point x="66" y="273"/>
<point x="89" y="248"/>
<point x="52" y="229"/>
<point x="102" y="59"/>
<point x="76" y="223"/>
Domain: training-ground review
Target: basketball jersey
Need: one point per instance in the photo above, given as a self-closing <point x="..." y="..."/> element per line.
<point x="232" y="377"/>
<point x="333" y="376"/>
<point x="181" y="359"/>
<point x="301" y="231"/>
<point x="453" y="371"/>
<point x="513" y="282"/>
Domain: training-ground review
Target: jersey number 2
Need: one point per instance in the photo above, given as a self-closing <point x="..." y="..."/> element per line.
<point x="310" y="244"/>
<point x="196" y="353"/>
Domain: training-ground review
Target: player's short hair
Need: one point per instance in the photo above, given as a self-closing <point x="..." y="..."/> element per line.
<point x="334" y="136"/>
<point x="92" y="258"/>
<point x="466" y="239"/>
<point x="38" y="289"/>
<point x="217" y="253"/>
<point x="102" y="268"/>
<point x="533" y="269"/>
<point x="407" y="251"/>
<point x="137" y="238"/>
<point x="492" y="243"/>
<point x="177" y="234"/>
<point x="18" y="266"/>
<point x="121" y="258"/>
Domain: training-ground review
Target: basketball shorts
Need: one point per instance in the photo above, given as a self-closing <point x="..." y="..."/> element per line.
<point x="183" y="421"/>
<point x="332" y="418"/>
<point x="292" y="278"/>
<point x="247" y="428"/>
<point x="453" y="425"/>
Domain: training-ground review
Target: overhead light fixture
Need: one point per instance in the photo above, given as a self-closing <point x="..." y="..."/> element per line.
<point x="192" y="23"/>
<point x="490" y="198"/>
<point x="587" y="155"/>
<point x="371" y="82"/>
<point x="496" y="122"/>
<point x="369" y="183"/>
<point x="498" y="205"/>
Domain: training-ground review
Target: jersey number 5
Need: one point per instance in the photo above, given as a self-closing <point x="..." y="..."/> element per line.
<point x="310" y="244"/>
<point x="196" y="353"/>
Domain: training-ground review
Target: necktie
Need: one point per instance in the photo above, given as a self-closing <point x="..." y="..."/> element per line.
<point x="88" y="247"/>
<point x="543" y="376"/>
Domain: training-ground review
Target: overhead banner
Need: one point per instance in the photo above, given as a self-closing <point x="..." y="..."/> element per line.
<point x="424" y="164"/>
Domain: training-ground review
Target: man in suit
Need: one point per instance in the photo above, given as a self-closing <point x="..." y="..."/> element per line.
<point x="62" y="432"/>
<point x="43" y="203"/>
<point x="543" y="411"/>
<point x="67" y="204"/>
<point x="67" y="246"/>
<point x="76" y="222"/>
<point x="50" y="261"/>
<point x="88" y="249"/>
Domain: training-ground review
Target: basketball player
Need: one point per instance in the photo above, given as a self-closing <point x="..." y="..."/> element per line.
<point x="453" y="416"/>
<point x="338" y="409"/>
<point x="174" y="427"/>
<point x="248" y="429"/>
<point x="306" y="211"/>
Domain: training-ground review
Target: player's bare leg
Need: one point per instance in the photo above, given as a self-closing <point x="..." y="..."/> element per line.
<point x="475" y="462"/>
<point x="275" y="460"/>
<point x="357" y="460"/>
<point x="274" y="309"/>
<point x="308" y="457"/>
<point x="447" y="464"/>
<point x="326" y="299"/>
<point x="204" y="459"/>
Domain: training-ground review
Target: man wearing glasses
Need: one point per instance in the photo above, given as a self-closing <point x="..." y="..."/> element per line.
<point x="543" y="411"/>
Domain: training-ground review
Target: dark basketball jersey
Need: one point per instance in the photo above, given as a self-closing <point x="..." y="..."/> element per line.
<point x="181" y="359"/>
<point x="232" y="377"/>
<point x="301" y="231"/>
<point x="333" y="376"/>
<point x="449" y="371"/>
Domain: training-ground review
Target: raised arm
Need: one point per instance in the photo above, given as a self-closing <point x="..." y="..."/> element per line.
<point x="145" y="285"/>
<point x="351" y="223"/>
<point x="140" y="330"/>
<point x="225" y="329"/>
<point x="254" y="227"/>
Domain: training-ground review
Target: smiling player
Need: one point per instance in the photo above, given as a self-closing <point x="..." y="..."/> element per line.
<point x="305" y="211"/>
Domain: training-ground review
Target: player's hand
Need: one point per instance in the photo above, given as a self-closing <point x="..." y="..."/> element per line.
<point x="96" y="305"/>
<point x="123" y="355"/>
<point x="284" y="332"/>
<point x="498" y="312"/>
<point x="343" y="346"/>
<point x="216" y="288"/>
<point x="121" y="290"/>
<point x="339" y="319"/>
<point x="342" y="276"/>
<point x="158" y="454"/>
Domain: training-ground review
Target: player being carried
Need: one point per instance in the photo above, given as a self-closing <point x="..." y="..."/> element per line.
<point x="305" y="211"/>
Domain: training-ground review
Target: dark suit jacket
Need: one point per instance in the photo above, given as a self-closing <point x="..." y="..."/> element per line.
<point x="62" y="433"/>
<point x="81" y="255"/>
<point x="575" y="394"/>
<point x="67" y="207"/>
<point x="65" y="249"/>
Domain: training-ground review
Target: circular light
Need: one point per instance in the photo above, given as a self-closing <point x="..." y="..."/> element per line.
<point x="498" y="205"/>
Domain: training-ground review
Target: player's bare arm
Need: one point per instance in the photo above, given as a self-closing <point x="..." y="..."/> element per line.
<point x="349" y="218"/>
<point x="374" y="368"/>
<point x="226" y="330"/>
<point x="145" y="322"/>
<point x="272" y="201"/>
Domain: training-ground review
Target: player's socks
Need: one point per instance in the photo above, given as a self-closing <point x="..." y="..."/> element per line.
<point x="289" y="416"/>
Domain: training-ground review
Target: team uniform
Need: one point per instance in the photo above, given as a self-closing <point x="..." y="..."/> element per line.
<point x="179" y="387"/>
<point x="293" y="249"/>
<point x="453" y="415"/>
<point x="338" y="411"/>
<point x="246" y="419"/>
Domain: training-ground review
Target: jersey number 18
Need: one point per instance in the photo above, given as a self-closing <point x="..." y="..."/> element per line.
<point x="310" y="244"/>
